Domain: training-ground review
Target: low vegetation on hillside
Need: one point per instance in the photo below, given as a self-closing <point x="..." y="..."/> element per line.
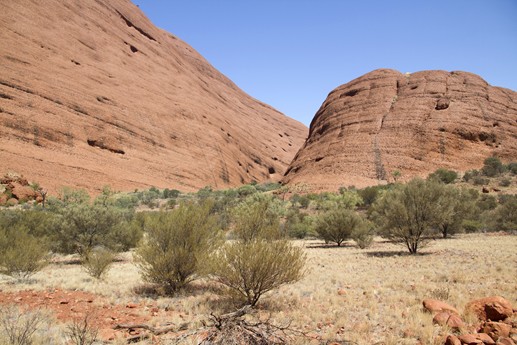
<point x="242" y="242"/>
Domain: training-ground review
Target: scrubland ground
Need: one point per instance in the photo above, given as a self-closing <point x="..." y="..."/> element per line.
<point x="370" y="296"/>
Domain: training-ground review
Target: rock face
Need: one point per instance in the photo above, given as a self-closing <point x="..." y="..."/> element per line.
<point x="386" y="121"/>
<point x="92" y="94"/>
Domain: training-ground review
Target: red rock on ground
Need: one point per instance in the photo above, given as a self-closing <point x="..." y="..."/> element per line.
<point x="452" y="340"/>
<point x="494" y="308"/>
<point x="93" y="94"/>
<point x="386" y="121"/>
<point x="497" y="330"/>
<point x="449" y="319"/>
<point x="435" y="306"/>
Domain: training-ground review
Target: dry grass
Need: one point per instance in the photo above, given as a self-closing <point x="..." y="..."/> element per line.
<point x="380" y="289"/>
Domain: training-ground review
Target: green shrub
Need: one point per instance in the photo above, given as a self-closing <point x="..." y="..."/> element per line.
<point x="444" y="175"/>
<point x="408" y="213"/>
<point x="486" y="202"/>
<point x="505" y="216"/>
<point x="80" y="228"/>
<point x="469" y="175"/>
<point x="480" y="181"/>
<point x="363" y="235"/>
<point x="250" y="269"/>
<point x="177" y="245"/>
<point x="505" y="182"/>
<point x="338" y="225"/>
<point x="21" y="254"/>
<point x="170" y="193"/>
<point x="492" y="167"/>
<point x="471" y="226"/>
<point x="97" y="262"/>
<point x="512" y="167"/>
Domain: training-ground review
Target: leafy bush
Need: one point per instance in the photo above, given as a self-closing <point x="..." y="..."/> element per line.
<point x="250" y="269"/>
<point x="469" y="175"/>
<point x="505" y="216"/>
<point x="512" y="167"/>
<point x="408" y="213"/>
<point x="259" y="259"/>
<point x="170" y="193"/>
<point x="80" y="228"/>
<point x="363" y="236"/>
<point x="444" y="175"/>
<point x="97" y="262"/>
<point x="480" y="181"/>
<point x="505" y="182"/>
<point x="297" y="225"/>
<point x="177" y="245"/>
<point x="338" y="225"/>
<point x="21" y="254"/>
<point x="492" y="166"/>
<point x="486" y="202"/>
<point x="471" y="226"/>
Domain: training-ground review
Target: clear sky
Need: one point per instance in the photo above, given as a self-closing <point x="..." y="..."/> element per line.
<point x="292" y="53"/>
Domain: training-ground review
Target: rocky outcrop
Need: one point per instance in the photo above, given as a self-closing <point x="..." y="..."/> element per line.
<point x="93" y="94"/>
<point x="386" y="121"/>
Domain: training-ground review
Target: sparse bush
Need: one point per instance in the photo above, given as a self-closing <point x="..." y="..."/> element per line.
<point x="259" y="259"/>
<point x="338" y="225"/>
<point x="444" y="175"/>
<point x="363" y="236"/>
<point x="177" y="245"/>
<point x="250" y="269"/>
<point x="469" y="175"/>
<point x="21" y="327"/>
<point x="97" y="262"/>
<point x="480" y="181"/>
<point x="21" y="254"/>
<point x="512" y="167"/>
<point x="471" y="226"/>
<point x="505" y="182"/>
<point x="408" y="213"/>
<point x="82" y="332"/>
<point x="492" y="167"/>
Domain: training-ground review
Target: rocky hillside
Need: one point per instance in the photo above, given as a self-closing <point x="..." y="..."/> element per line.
<point x="91" y="93"/>
<point x="386" y="122"/>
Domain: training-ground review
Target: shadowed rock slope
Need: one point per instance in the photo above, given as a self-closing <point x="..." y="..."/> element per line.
<point x="91" y="93"/>
<point x="415" y="123"/>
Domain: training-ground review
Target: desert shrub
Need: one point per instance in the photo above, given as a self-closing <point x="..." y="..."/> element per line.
<point x="470" y="174"/>
<point x="250" y="269"/>
<point x="512" y="167"/>
<point x="297" y="224"/>
<point x="338" y="225"/>
<point x="486" y="202"/>
<point x="170" y="193"/>
<point x="505" y="216"/>
<point x="21" y="254"/>
<point x="363" y="235"/>
<point x="408" y="213"/>
<point x="37" y="222"/>
<point x="177" y="245"/>
<point x="455" y="206"/>
<point x="370" y="194"/>
<point x="22" y="327"/>
<point x="97" y="262"/>
<point x="492" y="166"/>
<point x="80" y="228"/>
<point x="444" y="175"/>
<point x="82" y="332"/>
<point x="480" y="181"/>
<point x="471" y="226"/>
<point x="268" y="186"/>
<point x="246" y="190"/>
<point x="505" y="182"/>
<point x="258" y="217"/>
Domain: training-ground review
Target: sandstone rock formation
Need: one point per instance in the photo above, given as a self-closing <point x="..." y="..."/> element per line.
<point x="386" y="121"/>
<point x="92" y="94"/>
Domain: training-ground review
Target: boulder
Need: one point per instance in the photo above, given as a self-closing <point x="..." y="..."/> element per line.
<point x="476" y="338"/>
<point x="23" y="192"/>
<point x="435" y="306"/>
<point x="505" y="341"/>
<point x="494" y="308"/>
<point x="452" y="340"/>
<point x="445" y="318"/>
<point x="496" y="330"/>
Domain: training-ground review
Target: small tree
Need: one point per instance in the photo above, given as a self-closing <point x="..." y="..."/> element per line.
<point x="177" y="246"/>
<point x="338" y="225"/>
<point x="409" y="213"/>
<point x="97" y="262"/>
<point x="456" y="205"/>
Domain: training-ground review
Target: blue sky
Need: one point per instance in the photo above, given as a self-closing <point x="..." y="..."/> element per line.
<point x="292" y="53"/>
